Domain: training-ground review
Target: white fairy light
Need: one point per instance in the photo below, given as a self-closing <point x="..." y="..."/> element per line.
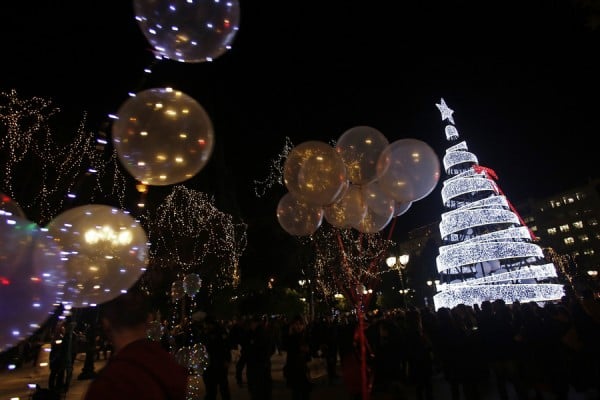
<point x="488" y="252"/>
<point x="471" y="295"/>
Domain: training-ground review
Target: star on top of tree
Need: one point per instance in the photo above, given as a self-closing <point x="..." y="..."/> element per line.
<point x="446" y="111"/>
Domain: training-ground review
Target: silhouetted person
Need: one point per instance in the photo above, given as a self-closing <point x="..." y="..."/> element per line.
<point x="296" y="363"/>
<point x="62" y="356"/>
<point x="419" y="356"/>
<point x="239" y="337"/>
<point x="258" y="351"/>
<point x="215" y="377"/>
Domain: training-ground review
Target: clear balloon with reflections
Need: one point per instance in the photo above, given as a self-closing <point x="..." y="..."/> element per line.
<point x="401" y="208"/>
<point x="9" y="207"/>
<point x="360" y="148"/>
<point x="192" y="284"/>
<point x="297" y="217"/>
<point x="32" y="279"/>
<point x="347" y="211"/>
<point x="188" y="31"/>
<point x="374" y="222"/>
<point x="408" y="170"/>
<point x="162" y="136"/>
<point x="106" y="252"/>
<point x="193" y="357"/>
<point x="315" y="173"/>
<point x="377" y="200"/>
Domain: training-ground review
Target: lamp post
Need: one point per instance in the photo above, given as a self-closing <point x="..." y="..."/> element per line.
<point x="399" y="263"/>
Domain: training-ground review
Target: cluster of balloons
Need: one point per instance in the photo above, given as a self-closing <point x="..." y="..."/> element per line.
<point x="83" y="257"/>
<point x="362" y="182"/>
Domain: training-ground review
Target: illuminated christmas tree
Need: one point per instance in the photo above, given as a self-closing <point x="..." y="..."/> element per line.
<point x="488" y="252"/>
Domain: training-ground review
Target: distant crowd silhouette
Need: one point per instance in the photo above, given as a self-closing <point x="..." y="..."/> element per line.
<point x="541" y="350"/>
<point x="535" y="351"/>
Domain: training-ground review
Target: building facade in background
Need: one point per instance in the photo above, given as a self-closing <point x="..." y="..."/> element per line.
<point x="569" y="224"/>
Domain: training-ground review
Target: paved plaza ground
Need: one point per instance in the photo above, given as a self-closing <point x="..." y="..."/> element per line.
<point x="14" y="385"/>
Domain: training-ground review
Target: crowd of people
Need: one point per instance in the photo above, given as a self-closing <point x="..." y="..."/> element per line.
<point x="530" y="349"/>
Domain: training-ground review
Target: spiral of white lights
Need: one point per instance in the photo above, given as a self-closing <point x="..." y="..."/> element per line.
<point x="488" y="253"/>
<point x="457" y="155"/>
<point x="471" y="295"/>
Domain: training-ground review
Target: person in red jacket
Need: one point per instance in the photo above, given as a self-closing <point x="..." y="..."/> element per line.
<point x="138" y="368"/>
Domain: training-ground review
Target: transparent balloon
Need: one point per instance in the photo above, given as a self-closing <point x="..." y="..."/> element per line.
<point x="408" y="170"/>
<point x="374" y="222"/>
<point x="377" y="200"/>
<point x="347" y="211"/>
<point x="401" y="208"/>
<point x="194" y="357"/>
<point x="297" y="217"/>
<point x="192" y="284"/>
<point x="360" y="148"/>
<point x="314" y="172"/>
<point x="198" y="358"/>
<point x="32" y="279"/>
<point x="8" y="206"/>
<point x="162" y="136"/>
<point x="188" y="31"/>
<point x="106" y="252"/>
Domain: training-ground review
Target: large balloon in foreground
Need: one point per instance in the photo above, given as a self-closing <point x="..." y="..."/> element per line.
<point x="408" y="170"/>
<point x="106" y="252"/>
<point x="9" y="206"/>
<point x="32" y="278"/>
<point x="360" y="148"/>
<point x="315" y="173"/>
<point x="297" y="217"/>
<point x="188" y="31"/>
<point x="162" y="136"/>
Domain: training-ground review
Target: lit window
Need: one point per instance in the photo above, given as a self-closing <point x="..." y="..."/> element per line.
<point x="588" y="252"/>
<point x="569" y="240"/>
<point x="568" y="200"/>
<point x="551" y="231"/>
<point x="593" y="222"/>
<point x="564" y="228"/>
<point x="584" y="238"/>
<point x="578" y="225"/>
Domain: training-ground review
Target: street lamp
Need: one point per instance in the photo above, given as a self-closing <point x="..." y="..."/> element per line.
<point x="399" y="263"/>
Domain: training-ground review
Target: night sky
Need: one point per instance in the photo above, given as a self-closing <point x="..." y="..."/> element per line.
<point x="521" y="76"/>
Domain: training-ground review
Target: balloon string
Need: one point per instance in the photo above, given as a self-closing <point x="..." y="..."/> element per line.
<point x="359" y="304"/>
